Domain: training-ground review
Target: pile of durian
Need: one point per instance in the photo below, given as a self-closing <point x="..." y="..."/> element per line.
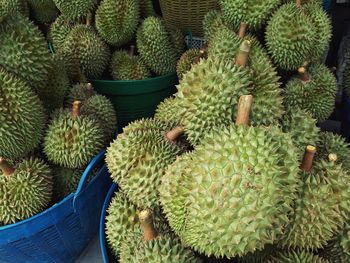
<point x="51" y="126"/>
<point x="233" y="167"/>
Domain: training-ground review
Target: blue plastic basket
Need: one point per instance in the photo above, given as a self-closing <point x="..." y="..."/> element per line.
<point x="60" y="233"/>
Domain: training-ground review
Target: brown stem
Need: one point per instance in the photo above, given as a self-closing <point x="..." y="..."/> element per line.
<point x="89" y="19"/>
<point x="298" y="3"/>
<point x="146" y="221"/>
<point x="332" y="157"/>
<point x="244" y="107"/>
<point x="5" y="167"/>
<point x="308" y="159"/>
<point x="89" y="90"/>
<point x="303" y="74"/>
<point x="132" y="50"/>
<point x="242" y="30"/>
<point x="76" y="108"/>
<point x="243" y="54"/>
<point x="175" y="133"/>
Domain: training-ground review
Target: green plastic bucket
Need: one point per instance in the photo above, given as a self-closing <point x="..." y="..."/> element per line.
<point x="136" y="99"/>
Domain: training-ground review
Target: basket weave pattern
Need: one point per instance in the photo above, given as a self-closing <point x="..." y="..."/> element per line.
<point x="187" y="15"/>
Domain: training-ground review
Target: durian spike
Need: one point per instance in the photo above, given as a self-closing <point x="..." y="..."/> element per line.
<point x="146" y="221"/>
<point x="6" y="168"/>
<point x="243" y="54"/>
<point x="308" y="159"/>
<point x="76" y="108"/>
<point x="89" y="89"/>
<point x="132" y="50"/>
<point x="89" y="19"/>
<point x="298" y="3"/>
<point x="242" y="30"/>
<point x="332" y="157"/>
<point x="174" y="133"/>
<point x="244" y="107"/>
<point x="303" y="74"/>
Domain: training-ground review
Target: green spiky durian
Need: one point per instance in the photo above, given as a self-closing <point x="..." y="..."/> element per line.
<point x="345" y="239"/>
<point x="22" y="117"/>
<point x="141" y="151"/>
<point x="297" y="257"/>
<point x="101" y="109"/>
<point x="213" y="21"/>
<point x="319" y="213"/>
<point x="23" y="51"/>
<point x="146" y="8"/>
<point x="177" y="39"/>
<point x="75" y="9"/>
<point x="254" y="13"/>
<point x="302" y="128"/>
<point x="155" y="47"/>
<point x="81" y="92"/>
<point x="316" y="94"/>
<point x="226" y="166"/>
<point x="73" y="140"/>
<point x="43" y="10"/>
<point x="26" y="189"/>
<point x="10" y="7"/>
<point x="290" y="37"/>
<point x="125" y="66"/>
<point x="260" y="256"/>
<point x="59" y="30"/>
<point x="117" y="20"/>
<point x="169" y="110"/>
<point x="85" y="52"/>
<point x="66" y="181"/>
<point x="190" y="57"/>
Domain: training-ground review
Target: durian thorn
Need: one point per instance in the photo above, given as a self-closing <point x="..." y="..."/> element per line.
<point x="298" y="3"/>
<point x="244" y="107"/>
<point x="5" y="167"/>
<point x="76" y="108"/>
<point x="174" y="134"/>
<point x="308" y="159"/>
<point x="303" y="74"/>
<point x="89" y="19"/>
<point x="243" y="55"/>
<point x="89" y="89"/>
<point x="242" y="29"/>
<point x="146" y="221"/>
<point x="132" y="50"/>
<point x="332" y="157"/>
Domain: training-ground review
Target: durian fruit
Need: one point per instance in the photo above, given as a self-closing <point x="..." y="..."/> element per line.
<point x="290" y="37"/>
<point x="253" y="13"/>
<point x="66" y="181"/>
<point x="59" y="30"/>
<point x="23" y="51"/>
<point x="155" y="47"/>
<point x="117" y="20"/>
<point x="81" y="92"/>
<point x="73" y="140"/>
<point x="169" y="110"/>
<point x="314" y="91"/>
<point x="74" y="9"/>
<point x="190" y="57"/>
<point x="127" y="66"/>
<point x="22" y="117"/>
<point x="213" y="22"/>
<point x="10" y="7"/>
<point x="138" y="159"/>
<point x="260" y="256"/>
<point x="26" y="189"/>
<point x="177" y="39"/>
<point x="252" y="167"/>
<point x="146" y="8"/>
<point x="297" y="257"/>
<point x="43" y="10"/>
<point x="319" y="213"/>
<point x="85" y="52"/>
<point x="154" y="247"/>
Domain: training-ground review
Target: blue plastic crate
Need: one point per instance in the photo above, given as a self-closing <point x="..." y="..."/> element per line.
<point x="60" y="233"/>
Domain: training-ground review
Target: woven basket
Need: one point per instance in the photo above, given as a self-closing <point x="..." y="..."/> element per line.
<point x="187" y="15"/>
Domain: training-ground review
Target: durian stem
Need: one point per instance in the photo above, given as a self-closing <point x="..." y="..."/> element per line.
<point x="303" y="74"/>
<point x="89" y="90"/>
<point x="6" y="168"/>
<point x="332" y="157"/>
<point x="298" y="3"/>
<point x="146" y="221"/>
<point x="244" y="107"/>
<point x="89" y="19"/>
<point x="76" y="108"/>
<point x="243" y="55"/>
<point x="242" y="30"/>
<point x="132" y="50"/>
<point x="174" y="133"/>
<point x="308" y="159"/>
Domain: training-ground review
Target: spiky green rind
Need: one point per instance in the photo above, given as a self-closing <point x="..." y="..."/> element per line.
<point x="209" y="94"/>
<point x="100" y="108"/>
<point x="345" y="239"/>
<point x="169" y="110"/>
<point x="43" y="10"/>
<point x="255" y="13"/>
<point x="23" y="51"/>
<point x="213" y="21"/>
<point x="164" y="248"/>
<point x="334" y="252"/>
<point x="290" y="37"/>
<point x="146" y="8"/>
<point x="117" y="20"/>
<point x="297" y="257"/>
<point x="75" y="9"/>
<point x="26" y="192"/>
<point x="318" y="212"/>
<point x="79" y="92"/>
<point x="66" y="181"/>
<point x="302" y="127"/>
<point x="73" y="142"/>
<point x="22" y="117"/>
<point x="85" y="51"/>
<point x="178" y="40"/>
<point x="316" y="96"/>
<point x="186" y="61"/>
<point x="267" y="108"/>
<point x="10" y="7"/>
<point x="260" y="256"/>
<point x="127" y="67"/>
<point x="59" y="30"/>
<point x="155" y="47"/>
<point x="334" y="143"/>
<point x="224" y="167"/>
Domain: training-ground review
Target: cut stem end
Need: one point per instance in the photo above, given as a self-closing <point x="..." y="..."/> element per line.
<point x="308" y="159"/>
<point x="244" y="107"/>
<point x="146" y="221"/>
<point x="175" y="133"/>
<point x="5" y="167"/>
<point x="243" y="54"/>
<point x="76" y="108"/>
